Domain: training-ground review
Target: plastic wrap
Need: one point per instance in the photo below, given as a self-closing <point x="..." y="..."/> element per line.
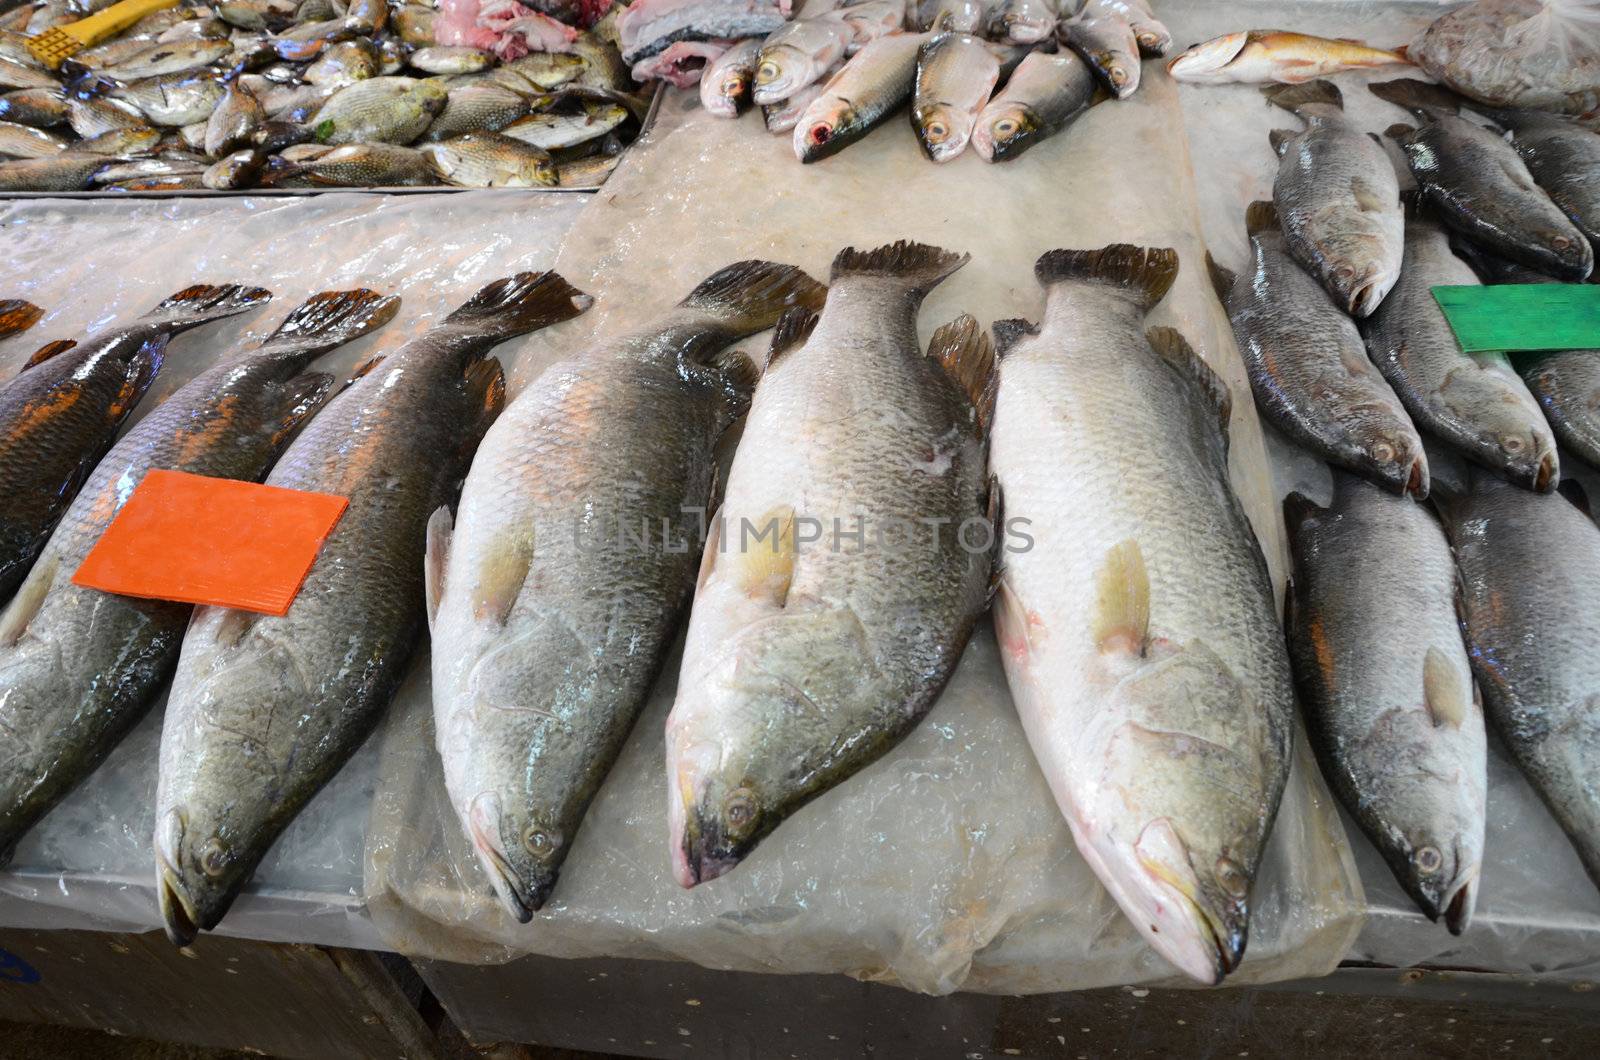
<point x="1518" y="53"/>
<point x="89" y="864"/>
<point x="946" y="865"/>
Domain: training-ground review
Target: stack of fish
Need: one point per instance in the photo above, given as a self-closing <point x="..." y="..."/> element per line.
<point x="323" y="93"/>
<point x="1349" y="355"/>
<point x="839" y="71"/>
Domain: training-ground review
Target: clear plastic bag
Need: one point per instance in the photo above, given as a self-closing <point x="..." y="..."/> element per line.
<point x="1543" y="54"/>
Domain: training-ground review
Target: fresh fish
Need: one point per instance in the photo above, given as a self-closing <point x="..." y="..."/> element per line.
<point x="782" y="117"/>
<point x="386" y="109"/>
<point x="17" y="316"/>
<point x="952" y="16"/>
<point x="80" y="667"/>
<point x="60" y="415"/>
<point x="63" y="171"/>
<point x="242" y="169"/>
<point x="874" y="84"/>
<point x="1023" y="21"/>
<point x="368" y="166"/>
<point x="451" y="60"/>
<point x="344" y="63"/>
<point x="1149" y="31"/>
<point x="725" y="85"/>
<point x="805" y="665"/>
<point x="17" y="75"/>
<point x="1338" y="198"/>
<point x="481" y="107"/>
<point x="646" y="28"/>
<point x="237" y="117"/>
<point x="118" y="143"/>
<point x="1530" y="569"/>
<point x="552" y="130"/>
<point x="588" y="172"/>
<point x="1262" y="55"/>
<point x="38" y="107"/>
<point x="91" y="117"/>
<point x="167" y="58"/>
<point x="956" y="73"/>
<point x="548" y="70"/>
<point x="1044" y="95"/>
<point x="796" y="56"/>
<point x="414" y="23"/>
<point x="24" y="141"/>
<point x="119" y="172"/>
<point x="257" y="14"/>
<point x="265" y="709"/>
<point x="1386" y="687"/>
<point x="1481" y="188"/>
<point x="490" y="160"/>
<point x="1110" y="48"/>
<point x="1474" y="402"/>
<point x="1309" y="368"/>
<point x="537" y="677"/>
<point x="173" y="99"/>
<point x="1564" y="159"/>
<point x="1138" y="631"/>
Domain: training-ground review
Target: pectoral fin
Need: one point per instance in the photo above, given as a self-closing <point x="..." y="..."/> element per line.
<point x="501" y="576"/>
<point x="766" y="558"/>
<point x="1443" y="690"/>
<point x="1122" y="601"/>
<point x="436" y="556"/>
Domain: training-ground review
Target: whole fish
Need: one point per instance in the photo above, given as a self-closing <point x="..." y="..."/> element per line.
<point x="1338" y="198"/>
<point x="1474" y="402"/>
<point x="1108" y="45"/>
<point x="481" y="107"/>
<point x="58" y="418"/>
<point x="726" y="84"/>
<point x="38" y="107"/>
<point x="1137" y="631"/>
<point x="118" y="172"/>
<point x="80" y="667"/>
<point x="1564" y="159"/>
<point x="450" y="60"/>
<point x="1258" y="56"/>
<point x="1530" y="568"/>
<point x="537" y="677"/>
<point x="490" y="160"/>
<point x="1044" y="95"/>
<point x="24" y="141"/>
<point x="1023" y="21"/>
<point x="1481" y="187"/>
<point x="952" y="16"/>
<point x="1309" y="369"/>
<point x="387" y="109"/>
<point x="552" y="130"/>
<point x="343" y="64"/>
<point x="167" y="58"/>
<point x="1149" y="31"/>
<point x="588" y="172"/>
<point x="117" y="143"/>
<point x="368" y="166"/>
<point x="17" y="316"/>
<point x="874" y="84"/>
<point x="237" y="117"/>
<point x="92" y="117"/>
<point x="796" y="56"/>
<point x="803" y="665"/>
<point x="62" y="171"/>
<point x="264" y="709"/>
<point x="1386" y="687"/>
<point x="956" y="73"/>
<point x="173" y="99"/>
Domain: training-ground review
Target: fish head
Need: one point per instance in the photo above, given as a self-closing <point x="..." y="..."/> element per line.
<point x="431" y="95"/>
<point x="781" y="71"/>
<point x="1006" y="131"/>
<point x="1571" y="256"/>
<point x="1392" y="449"/>
<point x="1438" y="865"/>
<point x="828" y="126"/>
<point x="942" y="130"/>
<point x="520" y="850"/>
<point x="1208" y="62"/>
<point x="199" y="871"/>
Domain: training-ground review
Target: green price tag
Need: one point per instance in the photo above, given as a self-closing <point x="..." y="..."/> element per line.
<point x="1513" y="317"/>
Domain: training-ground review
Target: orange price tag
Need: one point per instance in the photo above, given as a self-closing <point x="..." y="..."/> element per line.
<point x="219" y="541"/>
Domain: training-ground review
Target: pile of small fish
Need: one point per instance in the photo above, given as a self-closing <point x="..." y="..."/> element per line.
<point x="1349" y="356"/>
<point x="840" y="70"/>
<point x="233" y="94"/>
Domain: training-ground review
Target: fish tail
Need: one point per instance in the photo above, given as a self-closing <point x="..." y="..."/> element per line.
<point x="917" y="265"/>
<point x="203" y="303"/>
<point x="17" y="315"/>
<point x="966" y="354"/>
<point x="1260" y="216"/>
<point x="1148" y="271"/>
<point x="519" y="304"/>
<point x="1419" y="97"/>
<point x="1293" y="97"/>
<point x="333" y="318"/>
<point x="1222" y="279"/>
<point x="751" y="296"/>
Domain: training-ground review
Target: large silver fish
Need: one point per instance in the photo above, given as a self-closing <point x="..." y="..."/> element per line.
<point x="875" y="83"/>
<point x="1476" y="403"/>
<point x="1530" y="564"/>
<point x="79" y="667"/>
<point x="553" y="612"/>
<point x="265" y="709"/>
<point x="811" y="652"/>
<point x="1338" y="198"/>
<point x="1309" y="369"/>
<point x="1564" y="159"/>
<point x="1386" y="687"/>
<point x="1044" y="95"/>
<point x="1138" y="631"/>
<point x="956" y="72"/>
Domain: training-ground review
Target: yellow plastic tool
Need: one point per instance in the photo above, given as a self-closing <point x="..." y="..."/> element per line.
<point x="59" y="43"/>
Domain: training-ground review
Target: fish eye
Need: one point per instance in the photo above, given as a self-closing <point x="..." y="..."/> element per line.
<point x="1005" y="126"/>
<point x="1512" y="444"/>
<point x="936" y="130"/>
<point x="820" y="134"/>
<point x="1428" y="859"/>
<point x="740" y="808"/>
<point x="213" y="857"/>
<point x="538" y="842"/>
<point x="1345" y="272"/>
<point x="1383" y="452"/>
<point x="1561" y="242"/>
<point x="767" y="72"/>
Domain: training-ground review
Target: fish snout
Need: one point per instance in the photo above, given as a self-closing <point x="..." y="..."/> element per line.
<point x="191" y="888"/>
<point x="1368" y="292"/>
<point x="524" y="873"/>
<point x="718" y="830"/>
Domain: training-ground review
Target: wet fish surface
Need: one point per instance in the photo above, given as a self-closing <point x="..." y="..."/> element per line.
<point x="956" y="73"/>
<point x="1262" y="55"/>
<point x="1044" y="95"/>
<point x="1564" y="159"/>
<point x="1138" y="631"/>
<point x="875" y="83"/>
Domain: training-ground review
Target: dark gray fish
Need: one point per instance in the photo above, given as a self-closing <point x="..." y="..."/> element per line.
<point x="265" y="709"/>
<point x="79" y="667"/>
<point x="58" y="418"/>
<point x="1564" y="159"/>
<point x="1386" y="688"/>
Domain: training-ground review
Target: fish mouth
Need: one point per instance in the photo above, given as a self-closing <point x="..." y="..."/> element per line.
<point x="1366" y="297"/>
<point x="1417" y="483"/>
<point x="1458" y="909"/>
<point x="518" y="900"/>
<point x="1210" y="56"/>
<point x="177" y="908"/>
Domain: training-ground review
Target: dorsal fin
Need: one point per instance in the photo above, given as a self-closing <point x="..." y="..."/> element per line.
<point x="1279" y="139"/>
<point x="1222" y="279"/>
<point x="1297" y="510"/>
<point x="964" y="351"/>
<point x="1007" y="333"/>
<point x="49" y="350"/>
<point x="1176" y="351"/>
<point x="794" y="327"/>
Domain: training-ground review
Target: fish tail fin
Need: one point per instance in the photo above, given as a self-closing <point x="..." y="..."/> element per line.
<point x="1419" y="97"/>
<point x="17" y="315"/>
<point x="1293" y="97"/>
<point x="203" y="303"/>
<point x="1148" y="271"/>
<point x="1297" y="509"/>
<point x="794" y="327"/>
<point x="966" y="354"/>
<point x="1222" y="279"/>
<point x="751" y="296"/>
<point x="519" y="304"/>
<point x="333" y="318"/>
<point x="1260" y="216"/>
<point x="918" y="265"/>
